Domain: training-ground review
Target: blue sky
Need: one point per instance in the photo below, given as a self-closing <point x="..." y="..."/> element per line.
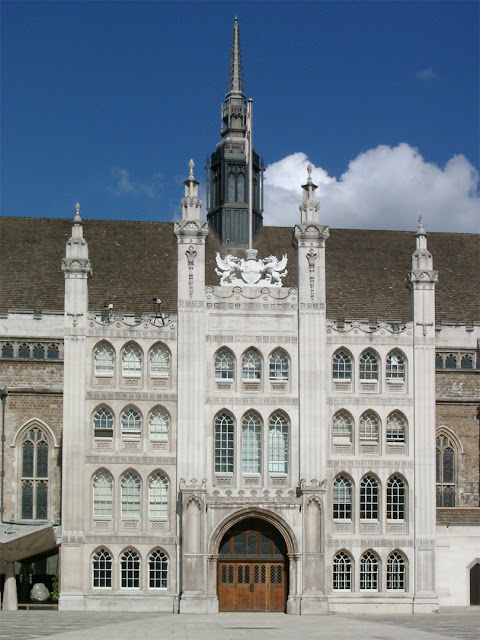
<point x="105" y="103"/>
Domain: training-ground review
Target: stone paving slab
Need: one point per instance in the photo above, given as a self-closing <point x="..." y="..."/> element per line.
<point x="54" y="625"/>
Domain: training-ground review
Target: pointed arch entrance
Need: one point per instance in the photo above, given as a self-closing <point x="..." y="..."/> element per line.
<point x="475" y="584"/>
<point x="252" y="567"/>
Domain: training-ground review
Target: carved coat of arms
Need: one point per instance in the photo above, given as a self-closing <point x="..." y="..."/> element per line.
<point x="240" y="271"/>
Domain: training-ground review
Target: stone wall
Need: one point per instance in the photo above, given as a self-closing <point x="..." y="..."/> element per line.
<point x="35" y="393"/>
<point x="458" y="401"/>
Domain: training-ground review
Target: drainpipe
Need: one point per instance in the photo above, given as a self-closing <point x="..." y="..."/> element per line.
<point x="3" y="397"/>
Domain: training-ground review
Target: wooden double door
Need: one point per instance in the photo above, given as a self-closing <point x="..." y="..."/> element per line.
<point x="251" y="586"/>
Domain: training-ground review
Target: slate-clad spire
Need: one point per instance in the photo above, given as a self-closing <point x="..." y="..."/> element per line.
<point x="227" y="190"/>
<point x="235" y="62"/>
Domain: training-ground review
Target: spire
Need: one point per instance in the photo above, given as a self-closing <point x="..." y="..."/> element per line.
<point x="235" y="85"/>
<point x="234" y="112"/>
<point x="191" y="203"/>
<point x="309" y="207"/>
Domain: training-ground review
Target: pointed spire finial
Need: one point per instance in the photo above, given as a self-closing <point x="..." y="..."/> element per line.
<point x="191" y="164"/>
<point x="235" y="85"/>
<point x="421" y="231"/>
<point x="309" y="171"/>
<point x="77" y="217"/>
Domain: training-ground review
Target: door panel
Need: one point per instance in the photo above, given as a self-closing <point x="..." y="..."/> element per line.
<point x="251" y="586"/>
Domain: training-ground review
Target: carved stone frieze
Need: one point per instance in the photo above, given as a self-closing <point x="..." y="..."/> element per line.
<point x="369" y="464"/>
<point x="130" y="459"/>
<point x="368" y="542"/>
<point x="266" y="272"/>
<point x="255" y="400"/>
<point x="370" y="400"/>
<point x="132" y="395"/>
<point x="224" y="339"/>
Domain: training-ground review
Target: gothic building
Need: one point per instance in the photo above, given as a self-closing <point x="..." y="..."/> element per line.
<point x="291" y="428"/>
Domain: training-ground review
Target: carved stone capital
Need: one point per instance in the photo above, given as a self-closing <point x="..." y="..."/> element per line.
<point x="189" y="229"/>
<point x="76" y="265"/>
<point x="311" y="234"/>
<point x="421" y="277"/>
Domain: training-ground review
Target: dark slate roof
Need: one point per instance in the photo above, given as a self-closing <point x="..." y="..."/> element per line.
<point x="135" y="261"/>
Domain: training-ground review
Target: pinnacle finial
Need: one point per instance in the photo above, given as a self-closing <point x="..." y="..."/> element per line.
<point x="77" y="217"/>
<point x="191" y="164"/>
<point x="309" y="171"/>
<point x="235" y="62"/>
<point x="421" y="231"/>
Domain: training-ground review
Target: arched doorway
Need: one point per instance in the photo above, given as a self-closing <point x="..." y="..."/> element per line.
<point x="252" y="568"/>
<point x="475" y="584"/>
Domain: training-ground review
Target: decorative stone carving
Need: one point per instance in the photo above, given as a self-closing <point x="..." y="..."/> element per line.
<point x="158" y="525"/>
<point x="259" y="273"/>
<point x="102" y="524"/>
<point x="130" y="524"/>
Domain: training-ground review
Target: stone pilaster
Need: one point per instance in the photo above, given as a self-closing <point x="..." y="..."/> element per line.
<point x="421" y="281"/>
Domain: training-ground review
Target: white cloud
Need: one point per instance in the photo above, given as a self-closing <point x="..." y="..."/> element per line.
<point x="425" y="74"/>
<point x="123" y="185"/>
<point x="383" y="188"/>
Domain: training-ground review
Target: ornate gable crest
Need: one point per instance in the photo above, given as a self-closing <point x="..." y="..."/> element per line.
<point x="249" y="271"/>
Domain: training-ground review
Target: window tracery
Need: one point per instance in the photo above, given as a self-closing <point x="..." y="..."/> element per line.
<point x="34" y="478"/>
<point x="278" y="444"/>
<point x="159" y="362"/>
<point x="278" y="366"/>
<point x="130" y="495"/>
<point x="251" y="366"/>
<point x="159" y="425"/>
<point x="102" y="569"/>
<point x="368" y="366"/>
<point x="251" y="443"/>
<point x="103" y="494"/>
<point x="342" y="498"/>
<point x="131" y="362"/>
<point x="445" y="471"/>
<point x="103" y="360"/>
<point x="158" y="496"/>
<point x="342" y="572"/>
<point x="342" y="366"/>
<point x="224" y="365"/>
<point x="224" y="443"/>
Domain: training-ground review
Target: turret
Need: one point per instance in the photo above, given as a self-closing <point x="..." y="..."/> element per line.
<point x="77" y="269"/>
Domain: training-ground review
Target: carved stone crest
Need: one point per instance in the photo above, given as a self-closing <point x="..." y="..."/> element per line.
<point x="240" y="271"/>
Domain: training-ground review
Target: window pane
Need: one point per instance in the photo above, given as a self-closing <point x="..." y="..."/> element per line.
<point x="342" y="498"/>
<point x="224" y="444"/>
<point x="251" y="444"/>
<point x="251" y="366"/>
<point x="159" y="361"/>
<point x="131" y="495"/>
<point x="132" y="361"/>
<point x="102" y="569"/>
<point x="278" y="366"/>
<point x="103" y="360"/>
<point x="158" y="570"/>
<point x="42" y="459"/>
<point x="224" y="367"/>
<point x="158" y="497"/>
<point x="342" y="366"/>
<point x="41" y="501"/>
<point x="27" y="467"/>
<point x="102" y="494"/>
<point x="368" y="367"/>
<point x="159" y="425"/>
<point x="278" y="445"/>
<point x="27" y="500"/>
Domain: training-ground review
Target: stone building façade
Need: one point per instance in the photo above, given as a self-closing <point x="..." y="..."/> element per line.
<point x="277" y="443"/>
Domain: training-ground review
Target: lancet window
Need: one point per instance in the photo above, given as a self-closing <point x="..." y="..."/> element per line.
<point x="224" y="365"/>
<point x="342" y="366"/>
<point x="102" y="569"/>
<point x="396" y="572"/>
<point x="103" y="423"/>
<point x="368" y="366"/>
<point x="342" y="498"/>
<point x="395" y="367"/>
<point x="224" y="434"/>
<point x="131" y="362"/>
<point x="159" y="425"/>
<point x="251" y="366"/>
<point x="158" y="570"/>
<point x="396" y="427"/>
<point x="34" y="479"/>
<point x="158" y="496"/>
<point x="130" y="570"/>
<point x="159" y="362"/>
<point x="130" y="495"/>
<point x="369" y="427"/>
<point x="395" y="498"/>
<point x="251" y="443"/>
<point x="103" y="360"/>
<point x="445" y="471"/>
<point x="102" y="494"/>
<point x="342" y="572"/>
<point x="278" y="444"/>
<point x="369" y="498"/>
<point x="369" y="572"/>
<point x="278" y="366"/>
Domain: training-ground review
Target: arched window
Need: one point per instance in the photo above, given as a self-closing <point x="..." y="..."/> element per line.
<point x="102" y="569"/>
<point x="466" y="362"/>
<point x="224" y="443"/>
<point x="251" y="443"/>
<point x="368" y="572"/>
<point x="278" y="366"/>
<point x="252" y="366"/>
<point x="158" y="570"/>
<point x="159" y="424"/>
<point x="103" y="423"/>
<point x="38" y="352"/>
<point x="131" y="423"/>
<point x="342" y="426"/>
<point x="396" y="572"/>
<point x="7" y="350"/>
<point x="369" y="499"/>
<point x="438" y="361"/>
<point x="396" y="427"/>
<point x="278" y="444"/>
<point x="103" y="360"/>
<point x="368" y="366"/>
<point x="342" y="498"/>
<point x="53" y="353"/>
<point x="369" y="427"/>
<point x="224" y="365"/>
<point x="241" y="187"/>
<point x="395" y="367"/>
<point x="445" y="469"/>
<point x="34" y="480"/>
<point x="102" y="494"/>
<point x="451" y="361"/>
<point x="130" y="570"/>
<point x="395" y="499"/>
<point x="130" y="497"/>
<point x="159" y="362"/>
<point x="158" y="496"/>
<point x="131" y="362"/>
<point x="342" y="572"/>
<point x="342" y="366"/>
<point x="24" y="351"/>
<point x="231" y="187"/>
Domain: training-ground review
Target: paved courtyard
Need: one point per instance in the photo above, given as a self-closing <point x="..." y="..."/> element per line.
<point x="27" y="625"/>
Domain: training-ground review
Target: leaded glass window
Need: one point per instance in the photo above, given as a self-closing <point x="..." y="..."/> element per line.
<point x="368" y="366"/>
<point x="396" y="572"/>
<point x="396" y="428"/>
<point x="130" y="570"/>
<point x="7" y="350"/>
<point x="342" y="572"/>
<point x="445" y="471"/>
<point x="369" y="427"/>
<point x="130" y="495"/>
<point x="369" y="499"/>
<point x="34" y="479"/>
<point x="53" y="353"/>
<point x="24" y="351"/>
<point x="395" y="499"/>
<point x="102" y="569"/>
<point x="451" y="361"/>
<point x="103" y="423"/>
<point x="102" y="494"/>
<point x="159" y="424"/>
<point x="342" y="425"/>
<point x="438" y="361"/>
<point x="342" y="366"/>
<point x="103" y="360"/>
<point x="224" y="365"/>
<point x="251" y="447"/>
<point x="466" y="362"/>
<point x="224" y="443"/>
<point x="38" y="352"/>
<point x="368" y="572"/>
<point x="159" y="361"/>
<point x="132" y="362"/>
<point x="158" y="496"/>
<point x="158" y="570"/>
<point x="278" y="366"/>
<point x="342" y="498"/>
<point x="131" y="423"/>
<point x="278" y="444"/>
<point x="251" y="366"/>
<point x="395" y="367"/>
